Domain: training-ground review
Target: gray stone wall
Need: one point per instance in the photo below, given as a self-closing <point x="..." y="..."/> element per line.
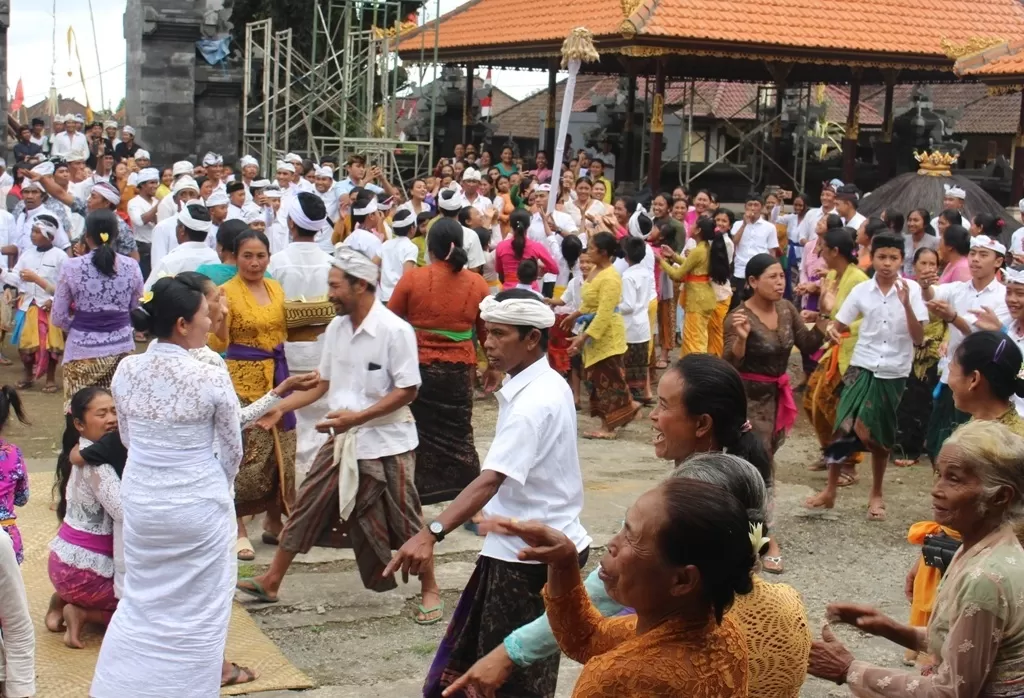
<point x="180" y="106"/>
<point x="5" y="21"/>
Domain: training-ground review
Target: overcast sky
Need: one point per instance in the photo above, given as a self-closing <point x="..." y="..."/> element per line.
<point x="30" y="50"/>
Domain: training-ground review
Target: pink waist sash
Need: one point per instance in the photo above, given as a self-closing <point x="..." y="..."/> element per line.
<point x="93" y="542"/>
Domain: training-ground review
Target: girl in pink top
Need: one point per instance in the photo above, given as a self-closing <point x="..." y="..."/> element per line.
<point x="954" y="246"/>
<point x="512" y="251"/>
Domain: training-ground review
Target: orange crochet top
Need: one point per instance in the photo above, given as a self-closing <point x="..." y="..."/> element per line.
<point x="674" y="660"/>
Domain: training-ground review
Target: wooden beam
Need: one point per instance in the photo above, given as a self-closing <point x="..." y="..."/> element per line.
<point x="549" y="119"/>
<point x="852" y="134"/>
<point x="629" y="160"/>
<point x="467" y="106"/>
<point x="1017" y="190"/>
<point x="884" y="151"/>
<point x="657" y="128"/>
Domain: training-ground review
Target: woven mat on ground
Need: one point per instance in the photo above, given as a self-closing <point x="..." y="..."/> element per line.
<point x="67" y="673"/>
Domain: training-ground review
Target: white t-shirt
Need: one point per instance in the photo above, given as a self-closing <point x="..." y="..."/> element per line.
<point x="474" y="250"/>
<point x="366" y="364"/>
<point x="636" y="284"/>
<point x="963" y="298"/>
<point x="535" y="448"/>
<point x="362" y="240"/>
<point x="137" y="207"/>
<point x="302" y="269"/>
<point x="758" y="237"/>
<point x="165" y="239"/>
<point x="187" y="256"/>
<point x="855" y="221"/>
<point x="394" y="254"/>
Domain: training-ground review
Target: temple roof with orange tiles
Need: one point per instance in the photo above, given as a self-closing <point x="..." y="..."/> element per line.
<point x="1001" y="66"/>
<point x="720" y="39"/>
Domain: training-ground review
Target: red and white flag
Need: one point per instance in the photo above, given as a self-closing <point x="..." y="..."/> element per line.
<point x="485" y="101"/>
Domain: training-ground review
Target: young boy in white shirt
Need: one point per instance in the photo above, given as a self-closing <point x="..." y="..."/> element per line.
<point x="893" y="317"/>
<point x="398" y="255"/>
<point x="636" y="297"/>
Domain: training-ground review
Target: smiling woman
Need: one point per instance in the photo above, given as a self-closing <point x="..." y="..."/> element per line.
<point x="976" y="631"/>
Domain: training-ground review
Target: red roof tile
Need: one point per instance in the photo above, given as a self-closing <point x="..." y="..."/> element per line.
<point x="907" y="27"/>
<point x="1005" y="60"/>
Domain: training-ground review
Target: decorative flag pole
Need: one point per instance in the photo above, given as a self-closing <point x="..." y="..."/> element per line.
<point x="577" y="47"/>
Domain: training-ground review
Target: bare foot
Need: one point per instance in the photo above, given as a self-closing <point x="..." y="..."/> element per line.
<point x="822" y="500"/>
<point x="232" y="674"/>
<point x="74" y="617"/>
<point x="55" y="614"/>
<point x="876" y="509"/>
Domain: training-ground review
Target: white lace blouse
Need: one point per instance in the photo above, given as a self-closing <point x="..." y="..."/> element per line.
<point x="93" y="505"/>
<point x="251" y="412"/>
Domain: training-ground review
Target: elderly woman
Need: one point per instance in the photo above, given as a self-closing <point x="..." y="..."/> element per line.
<point x="701" y="407"/>
<point x="976" y="631"/>
<point x="682" y="556"/>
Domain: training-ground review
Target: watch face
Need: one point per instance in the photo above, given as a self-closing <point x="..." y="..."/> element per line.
<point x="436" y="527"/>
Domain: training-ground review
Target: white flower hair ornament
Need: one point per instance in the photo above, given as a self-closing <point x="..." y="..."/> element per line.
<point x="757" y="538"/>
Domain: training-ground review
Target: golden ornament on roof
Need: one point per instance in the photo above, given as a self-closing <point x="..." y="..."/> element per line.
<point x="935" y="163"/>
<point x="976" y="44"/>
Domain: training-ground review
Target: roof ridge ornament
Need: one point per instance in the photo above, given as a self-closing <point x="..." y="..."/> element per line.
<point x="935" y="163"/>
<point x="976" y="44"/>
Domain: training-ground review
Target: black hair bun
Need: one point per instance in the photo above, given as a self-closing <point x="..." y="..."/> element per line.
<point x="142" y="320"/>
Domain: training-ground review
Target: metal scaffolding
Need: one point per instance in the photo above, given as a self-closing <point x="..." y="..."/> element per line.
<point x="337" y="101"/>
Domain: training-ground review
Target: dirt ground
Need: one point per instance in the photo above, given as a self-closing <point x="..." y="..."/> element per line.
<point x="356" y="643"/>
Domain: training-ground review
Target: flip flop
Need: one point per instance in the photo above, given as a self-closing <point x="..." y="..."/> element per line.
<point x="50" y="389"/>
<point x="427" y="612"/>
<point x="772" y="565"/>
<point x="599" y="436"/>
<point x="269" y="538"/>
<point x="239" y="675"/>
<point x="244" y="550"/>
<point x="905" y="462"/>
<point x="257" y="592"/>
<point x="847" y="480"/>
<point x="661" y="365"/>
<point x="818" y="466"/>
<point x="4" y="361"/>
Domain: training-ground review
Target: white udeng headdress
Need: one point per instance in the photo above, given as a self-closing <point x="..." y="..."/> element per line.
<point x="517" y="311"/>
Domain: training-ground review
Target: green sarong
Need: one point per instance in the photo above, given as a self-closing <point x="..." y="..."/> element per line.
<point x="871" y="402"/>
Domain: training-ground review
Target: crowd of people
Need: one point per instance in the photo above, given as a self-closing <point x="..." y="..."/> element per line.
<point x="310" y="349"/>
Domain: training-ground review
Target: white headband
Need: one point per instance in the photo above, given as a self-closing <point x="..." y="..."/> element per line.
<point x="31" y="184"/>
<point x="634" y="222"/>
<point x="142" y="155"/>
<point x="987" y="243"/>
<point x="248" y="161"/>
<point x="212" y="159"/>
<point x="186" y="219"/>
<point x="109" y="124"/>
<point x="129" y="130"/>
<point x="251" y="213"/>
<point x="260" y="184"/>
<point x="356" y="264"/>
<point x="48" y="228"/>
<point x="1013" y="277"/>
<point x="273" y="192"/>
<point x="283" y="166"/>
<point x="293" y="158"/>
<point x="300" y="219"/>
<point x="44" y="168"/>
<point x="108" y="191"/>
<point x="324" y="172"/>
<point x="149" y="174"/>
<point x="454" y="203"/>
<point x="402" y="223"/>
<point x="217" y="198"/>
<point x="954" y="191"/>
<point x="186" y="183"/>
<point x="471" y="175"/>
<point x="368" y="209"/>
<point x="517" y="311"/>
<point x="182" y="167"/>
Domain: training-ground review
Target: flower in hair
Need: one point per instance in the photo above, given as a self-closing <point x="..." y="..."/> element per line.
<point x="146" y="297"/>
<point x="105" y="237"/>
<point x="757" y="538"/>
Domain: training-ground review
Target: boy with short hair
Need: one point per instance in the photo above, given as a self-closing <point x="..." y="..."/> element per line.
<point x="894" y="314"/>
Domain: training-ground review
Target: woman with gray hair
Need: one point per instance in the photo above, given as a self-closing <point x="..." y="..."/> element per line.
<point x="976" y="631"/>
<point x="772" y="615"/>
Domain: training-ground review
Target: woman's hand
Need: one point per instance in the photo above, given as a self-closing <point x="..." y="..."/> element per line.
<point x="576" y="345"/>
<point x="486" y="676"/>
<point x="741" y="326"/>
<point x="546" y="545"/>
<point x="668" y="253"/>
<point x="300" y="382"/>
<point x="568" y="321"/>
<point x="866" y="618"/>
<point x="830" y="660"/>
<point x="268" y="420"/>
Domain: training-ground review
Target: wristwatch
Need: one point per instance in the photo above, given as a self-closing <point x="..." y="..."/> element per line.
<point x="436" y="529"/>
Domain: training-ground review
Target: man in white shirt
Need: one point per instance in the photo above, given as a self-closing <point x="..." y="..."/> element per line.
<point x="168" y="207"/>
<point x="637" y="294"/>
<point x="142" y="213"/>
<point x="214" y="165"/>
<point x="847" y="203"/>
<point x="806" y="229"/>
<point x="217" y="202"/>
<point x="34" y="201"/>
<point x="302" y="269"/>
<point x="953" y="199"/>
<point x="357" y="172"/>
<point x="236" y="199"/>
<point x="327" y="193"/>
<point x="110" y="129"/>
<point x="165" y="233"/>
<point x="276" y="229"/>
<point x="71" y="139"/>
<point x="549" y="229"/>
<point x="38" y="135"/>
<point x="449" y="203"/>
<point x="752" y="235"/>
<point x="893" y="315"/>
<point x="473" y="197"/>
<point x="369" y="374"/>
<point x="250" y="167"/>
<point x="958" y="304"/>
<point x="531" y="472"/>
<point x="191" y="251"/>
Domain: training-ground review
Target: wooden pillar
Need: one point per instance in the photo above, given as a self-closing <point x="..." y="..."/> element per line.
<point x="885" y="155"/>
<point x="1017" y="191"/>
<point x="657" y="128"/>
<point x="467" y="106"/>
<point x="628" y="159"/>
<point x="778" y="152"/>
<point x="852" y="130"/>
<point x="549" y="119"/>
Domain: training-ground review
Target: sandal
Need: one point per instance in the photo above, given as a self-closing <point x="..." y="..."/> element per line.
<point x="905" y="462"/>
<point x="4" y="361"/>
<point x="439" y="610"/>
<point x="23" y="385"/>
<point x="772" y="565"/>
<point x="847" y="479"/>
<point x="244" y="550"/>
<point x="599" y="436"/>
<point x="269" y="538"/>
<point x="256" y="591"/>
<point x="239" y="675"/>
<point x="817" y="466"/>
<point x="50" y="389"/>
<point x="661" y="365"/>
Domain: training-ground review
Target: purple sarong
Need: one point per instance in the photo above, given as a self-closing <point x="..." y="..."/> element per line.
<point x="241" y="352"/>
<point x="100" y="320"/>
